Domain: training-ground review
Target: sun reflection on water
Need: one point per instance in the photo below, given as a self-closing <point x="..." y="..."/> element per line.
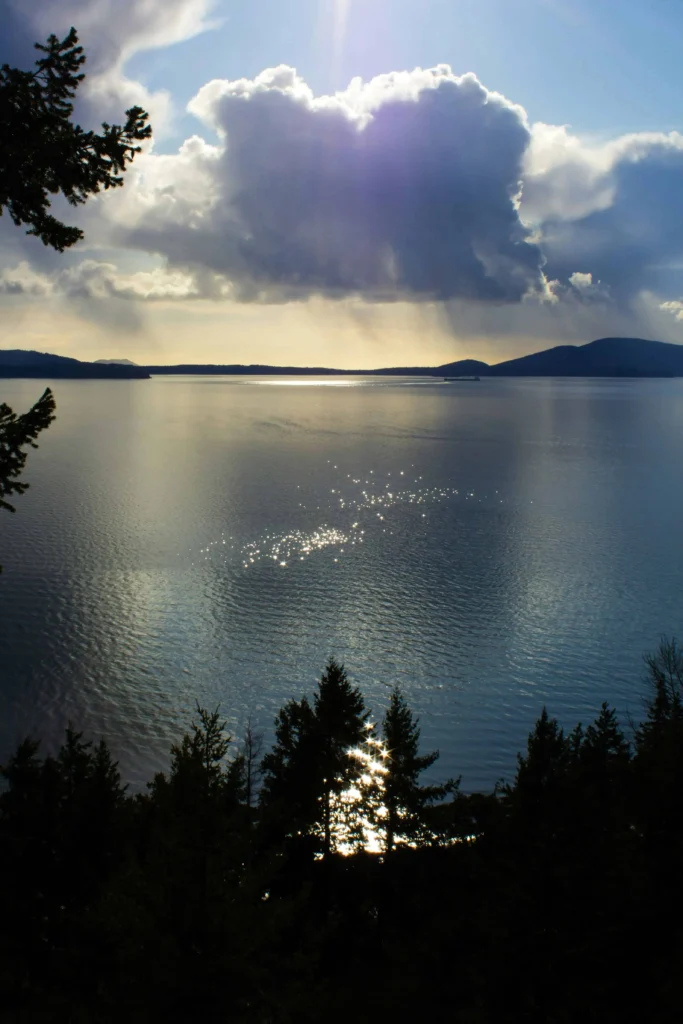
<point x="356" y="505"/>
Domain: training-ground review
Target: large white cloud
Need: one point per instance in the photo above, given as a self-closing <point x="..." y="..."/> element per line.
<point x="407" y="185"/>
<point x="422" y="185"/>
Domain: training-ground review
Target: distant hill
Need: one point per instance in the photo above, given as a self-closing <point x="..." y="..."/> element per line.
<point x="115" y="362"/>
<point x="606" y="357"/>
<point x="464" y="367"/>
<point x="251" y="369"/>
<point x="19" y="363"/>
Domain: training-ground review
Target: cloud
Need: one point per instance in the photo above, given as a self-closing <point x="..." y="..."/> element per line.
<point x="580" y="287"/>
<point x="417" y="185"/>
<point x="613" y="210"/>
<point x="674" y="307"/>
<point x="92" y="279"/>
<point x="407" y="185"/>
<point x="117" y="29"/>
<point x="564" y="178"/>
<point x="24" y="280"/>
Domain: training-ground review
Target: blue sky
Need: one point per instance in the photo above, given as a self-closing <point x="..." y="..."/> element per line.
<point x="412" y="217"/>
<point x="606" y="67"/>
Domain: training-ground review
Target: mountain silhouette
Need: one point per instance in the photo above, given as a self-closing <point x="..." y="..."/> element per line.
<point x="606" y="357"/>
<point x="20" y="363"/>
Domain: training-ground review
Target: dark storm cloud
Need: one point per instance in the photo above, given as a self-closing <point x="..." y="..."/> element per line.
<point x="406" y="186"/>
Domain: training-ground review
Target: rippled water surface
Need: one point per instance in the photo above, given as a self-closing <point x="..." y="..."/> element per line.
<point x="490" y="546"/>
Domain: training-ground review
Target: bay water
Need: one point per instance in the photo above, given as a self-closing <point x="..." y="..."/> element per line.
<point x="490" y="546"/>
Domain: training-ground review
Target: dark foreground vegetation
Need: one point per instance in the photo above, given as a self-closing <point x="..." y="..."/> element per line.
<point x="221" y="893"/>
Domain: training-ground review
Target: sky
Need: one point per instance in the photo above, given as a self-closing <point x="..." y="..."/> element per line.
<point x="362" y="184"/>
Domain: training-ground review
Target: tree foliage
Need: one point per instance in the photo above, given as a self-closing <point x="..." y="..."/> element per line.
<point x="405" y="799"/>
<point x="556" y="898"/>
<point x="43" y="153"/>
<point x="17" y="433"/>
<point x="309" y="764"/>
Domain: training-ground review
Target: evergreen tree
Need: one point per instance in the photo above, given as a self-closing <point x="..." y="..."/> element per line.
<point x="604" y="751"/>
<point x="536" y="793"/>
<point x="288" y="797"/>
<point x="194" y="847"/>
<point x="599" y="787"/>
<point x="203" y="781"/>
<point x="658" y="773"/>
<point x="405" y="799"/>
<point x="42" y="152"/>
<point x="310" y="764"/>
<point x="62" y="837"/>
<point x="16" y="434"/>
<point x="200" y="768"/>
<point x="659" y="741"/>
<point x="340" y="726"/>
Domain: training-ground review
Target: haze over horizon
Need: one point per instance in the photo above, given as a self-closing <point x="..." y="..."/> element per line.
<point x="312" y="197"/>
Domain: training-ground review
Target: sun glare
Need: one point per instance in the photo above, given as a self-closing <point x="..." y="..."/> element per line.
<point x="358" y="809"/>
<point x="341" y="16"/>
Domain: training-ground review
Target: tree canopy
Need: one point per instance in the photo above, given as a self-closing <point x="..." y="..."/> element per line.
<point x="554" y="899"/>
<point x="43" y="153"/>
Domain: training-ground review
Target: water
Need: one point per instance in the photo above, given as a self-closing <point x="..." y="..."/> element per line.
<point x="490" y="546"/>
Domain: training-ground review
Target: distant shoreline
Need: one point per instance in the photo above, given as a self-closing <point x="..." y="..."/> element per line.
<point x="155" y="372"/>
<point x="31" y="373"/>
<point x="148" y="372"/>
<point x="426" y="374"/>
<point x="605" y="357"/>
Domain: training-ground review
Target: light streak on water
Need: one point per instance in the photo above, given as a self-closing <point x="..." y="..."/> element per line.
<point x="354" y="508"/>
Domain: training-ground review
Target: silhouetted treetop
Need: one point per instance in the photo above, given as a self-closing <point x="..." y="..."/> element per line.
<point x="18" y="432"/>
<point x="43" y="153"/>
<point x="404" y="798"/>
<point x="309" y="764"/>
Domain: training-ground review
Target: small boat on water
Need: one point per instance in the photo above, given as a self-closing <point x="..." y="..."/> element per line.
<point x="450" y="379"/>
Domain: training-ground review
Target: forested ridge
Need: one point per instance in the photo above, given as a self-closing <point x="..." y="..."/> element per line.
<point x="320" y="880"/>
